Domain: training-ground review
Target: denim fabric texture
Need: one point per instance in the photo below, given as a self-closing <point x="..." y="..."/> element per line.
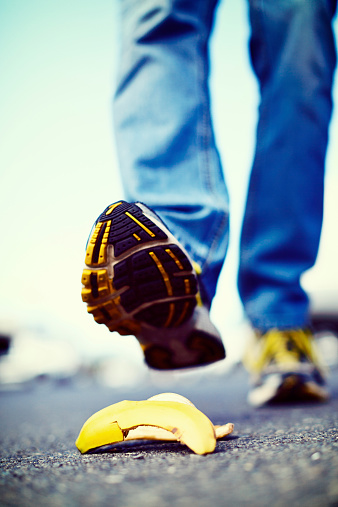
<point x="169" y="160"/>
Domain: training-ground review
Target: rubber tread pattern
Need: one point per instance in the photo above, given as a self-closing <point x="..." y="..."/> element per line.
<point x="162" y="274"/>
<point x="140" y="273"/>
<point x="146" y="284"/>
<point x="123" y="227"/>
<point x="158" y="314"/>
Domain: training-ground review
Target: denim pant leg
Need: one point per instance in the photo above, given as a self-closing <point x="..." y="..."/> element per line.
<point x="293" y="54"/>
<point x="164" y="135"/>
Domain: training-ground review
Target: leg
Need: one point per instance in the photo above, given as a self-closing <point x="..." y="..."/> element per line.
<point x="138" y="278"/>
<point x="165" y="141"/>
<point x="293" y="55"/>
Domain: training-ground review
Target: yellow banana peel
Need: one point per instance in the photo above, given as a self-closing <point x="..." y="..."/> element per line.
<point x="166" y="416"/>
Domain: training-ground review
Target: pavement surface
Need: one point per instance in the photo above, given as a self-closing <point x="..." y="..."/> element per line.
<point x="276" y="456"/>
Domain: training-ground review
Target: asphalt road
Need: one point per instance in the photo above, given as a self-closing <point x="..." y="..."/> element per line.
<point x="276" y="456"/>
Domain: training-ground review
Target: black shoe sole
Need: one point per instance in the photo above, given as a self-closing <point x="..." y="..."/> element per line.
<point x="153" y="284"/>
<point x="293" y="387"/>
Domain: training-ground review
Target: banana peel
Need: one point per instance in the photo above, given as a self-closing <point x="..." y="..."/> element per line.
<point x="166" y="416"/>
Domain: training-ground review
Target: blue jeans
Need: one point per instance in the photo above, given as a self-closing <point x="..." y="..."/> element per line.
<point x="169" y="159"/>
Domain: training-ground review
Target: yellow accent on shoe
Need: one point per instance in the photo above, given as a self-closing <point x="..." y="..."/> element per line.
<point x="183" y="314"/>
<point x="89" y="253"/>
<point x="92" y="243"/>
<point x="106" y="232"/>
<point x="280" y="347"/>
<point x="112" y="207"/>
<point x="96" y="232"/>
<point x="102" y="254"/>
<point x="136" y="237"/>
<point x="125" y="327"/>
<point x="197" y="268"/>
<point x="163" y="273"/>
<point x="148" y="231"/>
<point x="104" y="312"/>
<point x="103" y="285"/>
<point x="199" y="299"/>
<point x="170" y="315"/>
<point x="103" y="282"/>
<point x="102" y="258"/>
<point x="173" y="256"/>
<point x="86" y="292"/>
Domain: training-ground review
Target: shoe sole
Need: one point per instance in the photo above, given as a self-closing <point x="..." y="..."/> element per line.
<point x="137" y="277"/>
<point x="291" y="388"/>
<point x="297" y="388"/>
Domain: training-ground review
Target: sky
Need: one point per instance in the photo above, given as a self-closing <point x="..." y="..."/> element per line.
<point x="58" y="164"/>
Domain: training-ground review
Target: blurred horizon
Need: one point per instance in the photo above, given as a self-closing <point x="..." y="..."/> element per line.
<point x="59" y="167"/>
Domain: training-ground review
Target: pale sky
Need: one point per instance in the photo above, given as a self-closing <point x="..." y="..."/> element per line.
<point x="58" y="167"/>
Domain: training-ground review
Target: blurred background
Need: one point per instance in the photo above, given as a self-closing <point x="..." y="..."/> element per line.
<point x="58" y="170"/>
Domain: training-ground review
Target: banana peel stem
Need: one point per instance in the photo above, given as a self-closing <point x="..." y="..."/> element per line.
<point x="223" y="431"/>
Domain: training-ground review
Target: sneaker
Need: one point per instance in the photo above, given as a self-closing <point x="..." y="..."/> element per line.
<point x="139" y="281"/>
<point x="284" y="367"/>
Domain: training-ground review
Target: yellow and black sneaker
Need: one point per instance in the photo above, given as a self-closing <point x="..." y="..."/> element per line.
<point x="284" y="367"/>
<point x="139" y="281"/>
